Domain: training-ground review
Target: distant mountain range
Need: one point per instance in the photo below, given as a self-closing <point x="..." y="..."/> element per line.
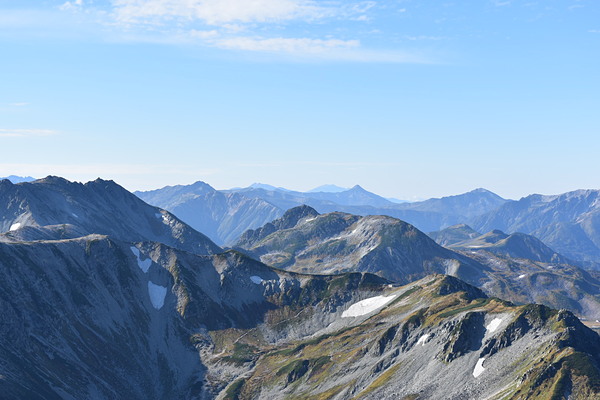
<point x="569" y="222"/>
<point x="328" y="188"/>
<point x="222" y="216"/>
<point x="18" y="179"/>
<point x="224" y="220"/>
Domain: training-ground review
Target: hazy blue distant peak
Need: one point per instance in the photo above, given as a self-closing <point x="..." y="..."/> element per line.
<point x="480" y="190"/>
<point x="395" y="200"/>
<point x="265" y="186"/>
<point x="329" y="188"/>
<point x="18" y="179"/>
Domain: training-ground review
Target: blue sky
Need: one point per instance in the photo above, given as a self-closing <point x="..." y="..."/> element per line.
<point x="410" y="99"/>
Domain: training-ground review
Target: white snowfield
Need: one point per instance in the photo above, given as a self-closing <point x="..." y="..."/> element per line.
<point x="256" y="279"/>
<point x="157" y="295"/>
<point x="144" y="265"/>
<point x="479" y="368"/>
<point x="367" y="306"/>
<point x="492" y="326"/>
<point x="14" y="227"/>
<point x="423" y="339"/>
<point x="521" y="276"/>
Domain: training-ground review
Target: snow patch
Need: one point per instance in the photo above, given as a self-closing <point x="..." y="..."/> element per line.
<point x="367" y="306"/>
<point x="157" y="295"/>
<point x="144" y="265"/>
<point x="479" y="368"/>
<point x="14" y="227"/>
<point x="75" y="215"/>
<point x="309" y="219"/>
<point x="423" y="339"/>
<point x="256" y="279"/>
<point x="492" y="326"/>
<point x="521" y="276"/>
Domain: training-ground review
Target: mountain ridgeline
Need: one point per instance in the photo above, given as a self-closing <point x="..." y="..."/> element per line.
<point x="54" y="208"/>
<point x="224" y="215"/>
<point x="516" y="245"/>
<point x="568" y="223"/>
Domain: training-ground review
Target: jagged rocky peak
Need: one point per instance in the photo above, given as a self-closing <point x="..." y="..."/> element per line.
<point x="290" y="219"/>
<point x="450" y="284"/>
<point x="292" y="216"/>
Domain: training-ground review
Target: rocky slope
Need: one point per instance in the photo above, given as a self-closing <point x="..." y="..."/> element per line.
<point x="305" y="241"/>
<point x="54" y="208"/>
<point x="437" y="338"/>
<point x="99" y="318"/>
<point x="515" y="267"/>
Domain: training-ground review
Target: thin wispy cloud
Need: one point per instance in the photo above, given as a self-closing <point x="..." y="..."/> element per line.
<point x="71" y="5"/>
<point x="22" y="133"/>
<point x="18" y="104"/>
<point x="258" y="26"/>
<point x="218" y="12"/>
<point x="287" y="45"/>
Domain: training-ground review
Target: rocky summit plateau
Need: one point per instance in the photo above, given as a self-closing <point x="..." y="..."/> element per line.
<point x="103" y="296"/>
